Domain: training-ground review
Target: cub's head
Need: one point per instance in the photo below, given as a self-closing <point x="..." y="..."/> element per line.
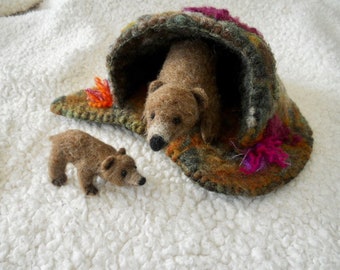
<point x="171" y="111"/>
<point x="120" y="169"/>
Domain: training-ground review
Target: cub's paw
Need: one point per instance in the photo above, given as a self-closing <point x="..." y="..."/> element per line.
<point x="91" y="190"/>
<point x="59" y="181"/>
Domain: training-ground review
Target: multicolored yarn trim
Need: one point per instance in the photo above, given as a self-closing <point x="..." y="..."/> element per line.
<point x="223" y="15"/>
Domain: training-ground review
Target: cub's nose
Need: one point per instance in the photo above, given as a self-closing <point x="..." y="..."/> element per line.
<point x="142" y="181"/>
<point x="157" y="143"/>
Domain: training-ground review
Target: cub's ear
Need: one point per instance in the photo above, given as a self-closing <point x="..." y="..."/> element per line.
<point x="154" y="85"/>
<point x="122" y="151"/>
<point x="108" y="163"/>
<point x="201" y="98"/>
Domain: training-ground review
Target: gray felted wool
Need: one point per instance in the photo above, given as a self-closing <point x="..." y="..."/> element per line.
<point x="265" y="141"/>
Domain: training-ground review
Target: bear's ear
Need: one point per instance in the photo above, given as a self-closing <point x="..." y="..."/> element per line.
<point x="122" y="151"/>
<point x="154" y="85"/>
<point x="201" y="97"/>
<point x="107" y="163"/>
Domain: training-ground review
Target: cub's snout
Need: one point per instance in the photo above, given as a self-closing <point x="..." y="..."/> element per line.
<point x="142" y="181"/>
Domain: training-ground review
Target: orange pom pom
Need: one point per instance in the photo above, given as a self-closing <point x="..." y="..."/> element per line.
<point x="100" y="96"/>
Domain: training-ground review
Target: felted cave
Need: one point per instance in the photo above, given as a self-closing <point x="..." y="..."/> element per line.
<point x="265" y="141"/>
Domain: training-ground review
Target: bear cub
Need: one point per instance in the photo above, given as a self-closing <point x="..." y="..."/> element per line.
<point x="91" y="157"/>
<point x="184" y="95"/>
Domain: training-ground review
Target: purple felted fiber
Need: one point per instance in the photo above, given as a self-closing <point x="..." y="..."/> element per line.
<point x="223" y="15"/>
<point x="268" y="150"/>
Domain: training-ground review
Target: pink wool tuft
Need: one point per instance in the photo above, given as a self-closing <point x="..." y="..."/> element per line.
<point x="268" y="150"/>
<point x="223" y="15"/>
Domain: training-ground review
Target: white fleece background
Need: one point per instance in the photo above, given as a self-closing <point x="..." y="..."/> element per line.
<point x="170" y="223"/>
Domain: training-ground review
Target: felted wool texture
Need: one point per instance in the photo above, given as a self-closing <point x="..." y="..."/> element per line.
<point x="92" y="158"/>
<point x="186" y="90"/>
<point x="170" y="222"/>
<point x="251" y="96"/>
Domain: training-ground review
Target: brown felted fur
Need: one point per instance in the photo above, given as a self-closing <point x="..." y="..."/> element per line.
<point x="184" y="94"/>
<point x="91" y="157"/>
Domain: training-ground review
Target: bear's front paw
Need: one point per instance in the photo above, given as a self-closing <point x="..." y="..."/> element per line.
<point x="91" y="190"/>
<point x="59" y="181"/>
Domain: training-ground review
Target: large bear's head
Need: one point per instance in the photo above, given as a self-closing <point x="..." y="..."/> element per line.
<point x="171" y="111"/>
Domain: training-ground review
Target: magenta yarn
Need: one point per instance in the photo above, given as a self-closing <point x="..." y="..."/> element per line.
<point x="268" y="150"/>
<point x="223" y="15"/>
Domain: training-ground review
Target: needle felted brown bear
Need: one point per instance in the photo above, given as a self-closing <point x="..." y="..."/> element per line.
<point x="92" y="158"/>
<point x="185" y="94"/>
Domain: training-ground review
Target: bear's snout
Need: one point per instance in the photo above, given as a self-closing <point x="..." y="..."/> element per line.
<point x="142" y="181"/>
<point x="157" y="143"/>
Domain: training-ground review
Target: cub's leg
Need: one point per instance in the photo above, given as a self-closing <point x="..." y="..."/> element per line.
<point x="86" y="177"/>
<point x="56" y="168"/>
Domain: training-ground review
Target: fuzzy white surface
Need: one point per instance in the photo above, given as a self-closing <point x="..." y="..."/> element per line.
<point x="170" y="223"/>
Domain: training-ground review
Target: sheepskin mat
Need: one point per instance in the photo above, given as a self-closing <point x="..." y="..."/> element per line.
<point x="170" y="222"/>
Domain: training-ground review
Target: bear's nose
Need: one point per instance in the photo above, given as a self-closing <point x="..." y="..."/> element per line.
<point x="157" y="143"/>
<point x="142" y="181"/>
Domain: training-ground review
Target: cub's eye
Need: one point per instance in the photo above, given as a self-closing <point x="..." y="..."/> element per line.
<point x="152" y="115"/>
<point x="123" y="173"/>
<point x="176" y="120"/>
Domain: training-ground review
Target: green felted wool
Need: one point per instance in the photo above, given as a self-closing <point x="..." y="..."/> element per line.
<point x="261" y="125"/>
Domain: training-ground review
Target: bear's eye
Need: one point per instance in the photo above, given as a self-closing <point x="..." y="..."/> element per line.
<point x="176" y="120"/>
<point x="152" y="115"/>
<point x="123" y="173"/>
